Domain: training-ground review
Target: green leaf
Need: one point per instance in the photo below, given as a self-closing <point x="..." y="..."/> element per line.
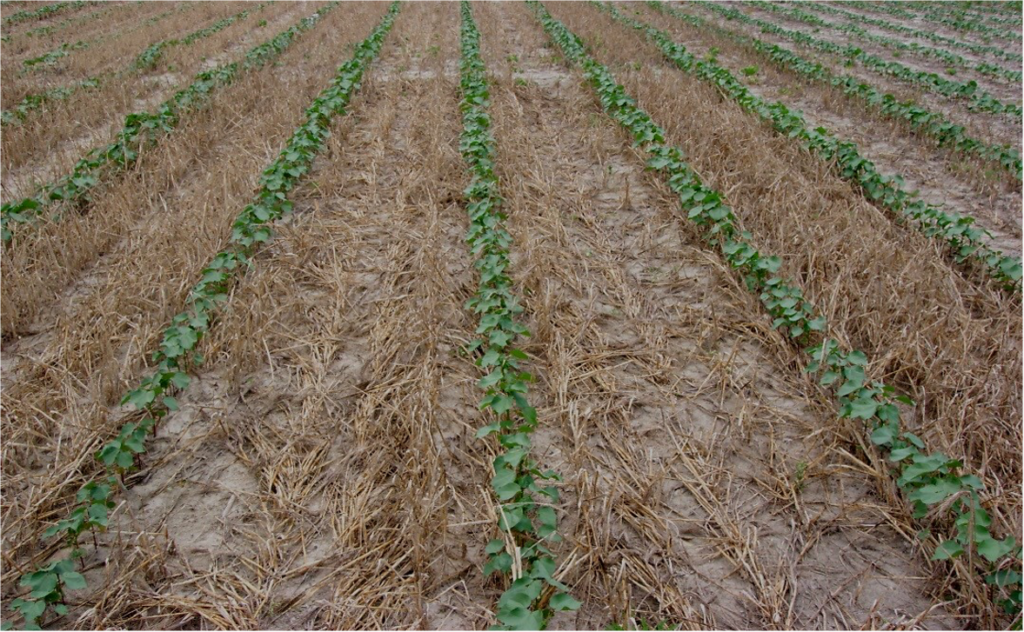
<point x="501" y="562"/>
<point x="863" y="408"/>
<point x="487" y="430"/>
<point x="562" y="601"/>
<point x="494" y="546"/>
<point x="992" y="549"/>
<point x="73" y="580"/>
<point x="948" y="550"/>
<point x="936" y="492"/>
<point x="519" y="618"/>
<point x="42" y="584"/>
<point x="885" y="435"/>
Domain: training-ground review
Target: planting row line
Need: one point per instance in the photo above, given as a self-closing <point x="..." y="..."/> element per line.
<point x="146" y="60"/>
<point x="965" y="240"/>
<point x="45" y="11"/>
<point x="51" y="57"/>
<point x="963" y="13"/>
<point x="934" y="483"/>
<point x="152" y="399"/>
<point x="149" y="57"/>
<point x="978" y="100"/>
<point x="526" y="517"/>
<point x="980" y="49"/>
<point x="142" y="129"/>
<point x="932" y="124"/>
<point x="982" y="9"/>
<point x="954" y="60"/>
<point x="50" y="28"/>
<point x="958" y="21"/>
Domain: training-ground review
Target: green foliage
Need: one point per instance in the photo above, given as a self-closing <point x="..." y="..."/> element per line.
<point x="177" y="353"/>
<point x="933" y="482"/>
<point x="142" y="130"/>
<point x="932" y="124"/>
<point x="51" y="57"/>
<point x="35" y="101"/>
<point x="898" y="45"/>
<point x="45" y="11"/>
<point x="149" y="57"/>
<point x="964" y="240"/>
<point x="525" y="511"/>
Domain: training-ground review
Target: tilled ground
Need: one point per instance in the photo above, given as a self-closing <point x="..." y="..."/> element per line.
<point x="323" y="471"/>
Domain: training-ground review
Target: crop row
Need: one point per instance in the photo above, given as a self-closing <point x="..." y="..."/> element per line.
<point x="177" y="353"/>
<point x="44" y="11"/>
<point x="981" y="9"/>
<point x="934" y="13"/>
<point x="980" y="49"/>
<point x="977" y="99"/>
<point x="965" y="240"/>
<point x="50" y="28"/>
<point x="954" y="60"/>
<point x="65" y="49"/>
<point x="149" y="57"/>
<point x="526" y="517"/>
<point x="52" y="56"/>
<point x="957" y="21"/>
<point x="932" y="124"/>
<point x="35" y="101"/>
<point x="934" y="484"/>
<point x="962" y="13"/>
<point x="142" y="129"/>
<point x="973" y="22"/>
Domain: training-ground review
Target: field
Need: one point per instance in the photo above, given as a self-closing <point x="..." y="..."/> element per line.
<point x="629" y="315"/>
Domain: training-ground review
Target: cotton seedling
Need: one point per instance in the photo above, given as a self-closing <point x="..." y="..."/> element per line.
<point x="153" y="397"/>
<point x="933" y="124"/>
<point x="527" y="517"/>
<point x="933" y="483"/>
<point x="963" y="238"/>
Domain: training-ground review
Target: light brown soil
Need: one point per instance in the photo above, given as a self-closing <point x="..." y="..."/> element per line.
<point x="323" y="472"/>
<point x="941" y="179"/>
<point x="986" y="126"/>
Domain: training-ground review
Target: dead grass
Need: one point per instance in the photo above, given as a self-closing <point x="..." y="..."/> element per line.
<point x="953" y="347"/>
<point x="94" y="342"/>
<point x="678" y="441"/>
<point x="323" y="472"/>
<point x="49" y="143"/>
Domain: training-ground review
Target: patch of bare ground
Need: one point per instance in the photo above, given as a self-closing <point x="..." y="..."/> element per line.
<point x="992" y="128"/>
<point x="49" y="143"/>
<point x="950" y="343"/>
<point x="92" y="343"/>
<point x="703" y="487"/>
<point x="960" y="186"/>
<point x="1001" y="88"/>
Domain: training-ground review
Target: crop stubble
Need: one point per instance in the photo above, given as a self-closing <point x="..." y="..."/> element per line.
<point x="322" y="470"/>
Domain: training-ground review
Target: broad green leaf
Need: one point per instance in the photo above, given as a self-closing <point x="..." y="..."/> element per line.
<point x="563" y="601"/>
<point x="948" y="550"/>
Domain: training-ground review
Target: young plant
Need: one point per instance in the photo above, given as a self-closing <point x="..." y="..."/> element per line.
<point x="934" y="483"/>
<point x="152" y="398"/>
<point x="527" y="517"/>
<point x="965" y="241"/>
